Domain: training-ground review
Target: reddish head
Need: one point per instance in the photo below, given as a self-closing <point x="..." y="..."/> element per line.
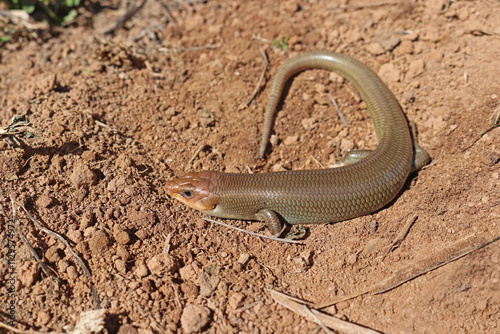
<point x="195" y="190"/>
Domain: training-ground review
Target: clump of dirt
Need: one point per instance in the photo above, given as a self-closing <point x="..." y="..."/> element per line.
<point x="118" y="115"/>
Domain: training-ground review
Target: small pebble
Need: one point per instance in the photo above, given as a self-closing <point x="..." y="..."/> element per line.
<point x="141" y="270"/>
<point x="351" y="259"/>
<point x="244" y="258"/>
<point x="72" y="273"/>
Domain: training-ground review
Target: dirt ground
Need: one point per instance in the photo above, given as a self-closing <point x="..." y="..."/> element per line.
<point x="119" y="115"/>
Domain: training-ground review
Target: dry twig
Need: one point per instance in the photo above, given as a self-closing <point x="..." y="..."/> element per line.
<point x="339" y="112"/>
<point x="169" y="12"/>
<point x="223" y="324"/>
<point x="298" y="306"/>
<point x="201" y="48"/>
<point x="25" y="240"/>
<point x="320" y="165"/>
<point x="259" y="83"/>
<point x="176" y="293"/>
<point x="104" y="125"/>
<point x="261" y="39"/>
<point x="128" y="15"/>
<point x="320" y="323"/>
<point x="369" y="5"/>
<point x="288" y="241"/>
<point x="480" y="136"/>
<point x="20" y="331"/>
<point x="86" y="271"/>
<point x="448" y="254"/>
<point x="495" y="116"/>
<point x="494" y="123"/>
<point x="166" y="249"/>
<point x="195" y="155"/>
<point x="401" y="235"/>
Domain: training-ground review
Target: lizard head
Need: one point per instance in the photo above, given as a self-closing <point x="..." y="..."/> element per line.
<point x="195" y="190"/>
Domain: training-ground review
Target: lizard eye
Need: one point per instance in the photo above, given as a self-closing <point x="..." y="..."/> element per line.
<point x="187" y="193"/>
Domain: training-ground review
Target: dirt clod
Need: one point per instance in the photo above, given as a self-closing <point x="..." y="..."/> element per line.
<point x="82" y="176"/>
<point x="75" y="236"/>
<point x="162" y="264"/>
<point x="141" y="218"/>
<point x="127" y="329"/>
<point x="99" y="242"/>
<point x="52" y="254"/>
<point x="207" y="284"/>
<point x="29" y="273"/>
<point x="194" y="318"/>
<point x="44" y="201"/>
<point x="141" y="270"/>
<point x="43" y="318"/>
<point x="121" y="236"/>
<point x="389" y="73"/>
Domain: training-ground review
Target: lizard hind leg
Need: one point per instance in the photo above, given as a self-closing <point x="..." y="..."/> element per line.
<point x="272" y="221"/>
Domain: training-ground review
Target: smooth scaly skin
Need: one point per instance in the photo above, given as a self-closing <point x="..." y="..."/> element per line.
<point x="314" y="196"/>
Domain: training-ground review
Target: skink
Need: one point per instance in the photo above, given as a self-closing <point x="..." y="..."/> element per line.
<point x="367" y="182"/>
